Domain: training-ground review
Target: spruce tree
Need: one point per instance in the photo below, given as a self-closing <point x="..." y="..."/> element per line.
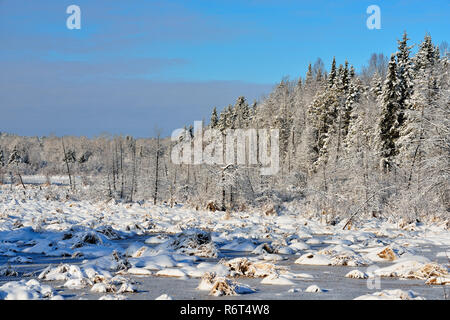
<point x="214" y="118"/>
<point x="222" y="123"/>
<point x="376" y="87"/>
<point x="322" y="116"/>
<point x="353" y="97"/>
<point x="14" y="157"/>
<point x="309" y="75"/>
<point x="422" y="101"/>
<point x="388" y="127"/>
<point x="332" y="75"/>
<point x="230" y="117"/>
<point x="241" y="113"/>
<point x="405" y="78"/>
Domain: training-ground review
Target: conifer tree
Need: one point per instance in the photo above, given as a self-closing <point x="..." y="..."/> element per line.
<point x="404" y="75"/>
<point x="214" y="118"/>
<point x="353" y="98"/>
<point x="376" y="87"/>
<point x="14" y="157"/>
<point x="422" y="101"/>
<point x="332" y="75"/>
<point x="388" y="127"/>
<point x="222" y="123"/>
<point x="309" y="75"/>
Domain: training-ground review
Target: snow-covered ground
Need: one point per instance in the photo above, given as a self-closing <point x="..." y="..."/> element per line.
<point x="40" y="179"/>
<point x="65" y="249"/>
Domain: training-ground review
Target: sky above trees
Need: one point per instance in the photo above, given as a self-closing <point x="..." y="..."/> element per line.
<point x="134" y="66"/>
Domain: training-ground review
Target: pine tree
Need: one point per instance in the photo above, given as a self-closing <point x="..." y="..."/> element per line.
<point x="2" y="159"/>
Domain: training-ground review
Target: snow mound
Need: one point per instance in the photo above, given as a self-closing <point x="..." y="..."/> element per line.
<point x="77" y="283"/>
<point x="314" y="289"/>
<point x="439" y="280"/>
<point x="221" y="286"/>
<point x="62" y="272"/>
<point x="413" y="269"/>
<point x="395" y="294"/>
<point x="356" y="274"/>
<point x="243" y="245"/>
<point x="391" y="252"/>
<point x="126" y="288"/>
<point x="207" y="281"/>
<point x="25" y="290"/>
<point x="109" y="232"/>
<point x="263" y="248"/>
<point x="348" y="259"/>
<point x="275" y="279"/>
<point x="247" y="268"/>
<point x="115" y="262"/>
<point x="20" y="259"/>
<point x="139" y="271"/>
<point x="113" y="297"/>
<point x="314" y="259"/>
<point x="87" y="238"/>
<point x="103" y="288"/>
<point x="164" y="297"/>
<point x="195" y="242"/>
<point x="7" y="271"/>
<point x="171" y="272"/>
<point x="342" y="255"/>
<point x="226" y="287"/>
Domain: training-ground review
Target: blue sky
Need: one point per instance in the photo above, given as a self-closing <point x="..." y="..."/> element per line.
<point x="137" y="65"/>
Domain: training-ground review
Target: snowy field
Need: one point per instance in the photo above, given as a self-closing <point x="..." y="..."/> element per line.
<point x="65" y="249"/>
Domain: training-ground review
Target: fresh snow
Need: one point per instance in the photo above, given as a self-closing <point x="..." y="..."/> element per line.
<point x="71" y="249"/>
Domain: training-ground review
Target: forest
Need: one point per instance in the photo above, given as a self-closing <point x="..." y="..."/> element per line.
<point x="371" y="144"/>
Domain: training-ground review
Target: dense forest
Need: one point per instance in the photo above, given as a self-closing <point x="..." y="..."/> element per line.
<point x="374" y="143"/>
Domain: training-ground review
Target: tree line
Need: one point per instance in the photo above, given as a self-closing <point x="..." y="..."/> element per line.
<point x="377" y="141"/>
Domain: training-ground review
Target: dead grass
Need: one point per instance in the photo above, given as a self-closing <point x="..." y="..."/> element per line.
<point x="387" y="254"/>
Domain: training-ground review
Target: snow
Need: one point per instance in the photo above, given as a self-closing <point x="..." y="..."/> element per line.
<point x="25" y="290"/>
<point x="139" y="271"/>
<point x="111" y="250"/>
<point x="314" y="289"/>
<point x="356" y="274"/>
<point x="391" y="295"/>
<point x="169" y="272"/>
<point x="313" y="259"/>
<point x="275" y="279"/>
<point x="164" y="297"/>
